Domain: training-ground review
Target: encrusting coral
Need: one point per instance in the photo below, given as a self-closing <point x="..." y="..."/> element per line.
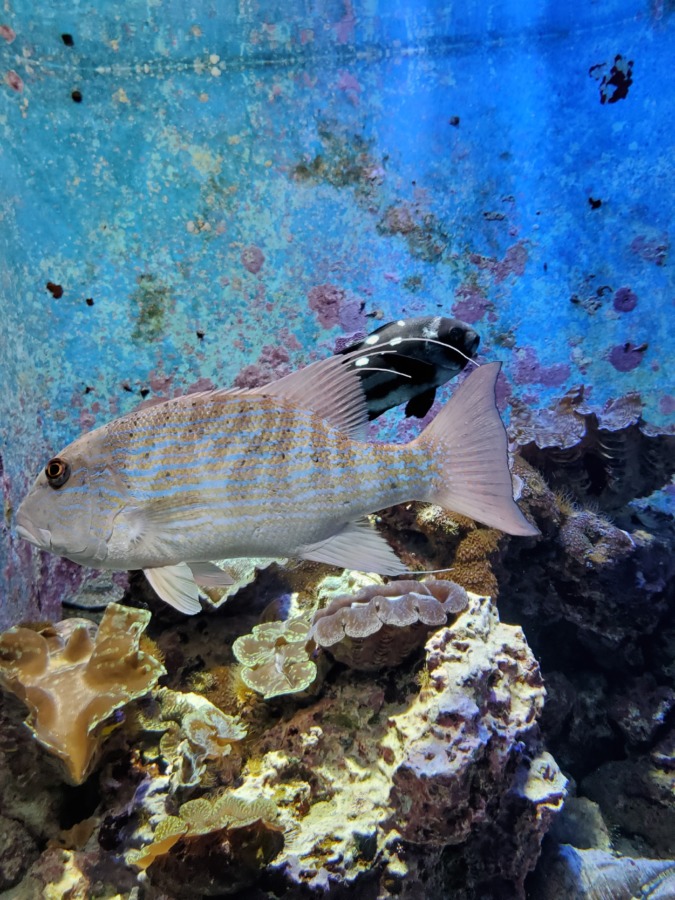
<point x="383" y="623"/>
<point x="74" y="678"/>
<point x="275" y="658"/>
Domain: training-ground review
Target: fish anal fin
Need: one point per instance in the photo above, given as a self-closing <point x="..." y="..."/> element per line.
<point x="420" y="405"/>
<point x="176" y="586"/>
<point x="330" y="388"/>
<point x="208" y="574"/>
<point x="356" y="546"/>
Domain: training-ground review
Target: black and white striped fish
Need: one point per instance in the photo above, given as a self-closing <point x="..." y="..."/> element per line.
<point x="405" y="361"/>
<point x="283" y="470"/>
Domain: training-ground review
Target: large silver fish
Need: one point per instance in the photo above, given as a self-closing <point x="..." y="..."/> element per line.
<point x="280" y="471"/>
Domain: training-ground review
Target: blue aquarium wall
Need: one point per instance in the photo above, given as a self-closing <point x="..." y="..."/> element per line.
<point x="215" y="193"/>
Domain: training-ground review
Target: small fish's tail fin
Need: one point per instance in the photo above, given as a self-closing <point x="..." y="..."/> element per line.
<point x="467" y="441"/>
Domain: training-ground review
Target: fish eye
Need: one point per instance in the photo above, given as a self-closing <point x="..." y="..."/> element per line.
<point x="57" y="472"/>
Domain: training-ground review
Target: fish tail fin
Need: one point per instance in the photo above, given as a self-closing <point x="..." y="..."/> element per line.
<point x="468" y="444"/>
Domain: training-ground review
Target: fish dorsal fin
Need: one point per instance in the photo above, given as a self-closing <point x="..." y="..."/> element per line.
<point x="356" y="546"/>
<point x="176" y="586"/>
<point x="330" y="388"/>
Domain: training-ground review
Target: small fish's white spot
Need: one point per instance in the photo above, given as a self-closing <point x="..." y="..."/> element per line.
<point x="395" y="341"/>
<point x="362" y="361"/>
<point x="433" y="328"/>
<point x="373" y="339"/>
<point x="401" y="323"/>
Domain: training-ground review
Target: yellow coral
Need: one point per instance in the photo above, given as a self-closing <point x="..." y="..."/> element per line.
<point x="203" y="816"/>
<point x="472" y="564"/>
<point x="73" y="677"/>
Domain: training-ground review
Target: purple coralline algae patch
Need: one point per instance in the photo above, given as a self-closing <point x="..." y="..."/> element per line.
<point x="513" y="263"/>
<point x="470" y="304"/>
<point x="7" y="33"/>
<point x="201" y="384"/>
<point x="346" y="340"/>
<point x="274" y="362"/>
<point x="625" y="357"/>
<point x="528" y="370"/>
<point x="326" y="301"/>
<point x="352" y="316"/>
<point x="667" y="405"/>
<point x="652" y="250"/>
<point x="625" y="300"/>
<point x="14" y="80"/>
<point x="252" y="259"/>
<point x="332" y="307"/>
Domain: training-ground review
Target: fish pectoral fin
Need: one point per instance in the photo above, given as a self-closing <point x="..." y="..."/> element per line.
<point x="176" y="586"/>
<point x="356" y="546"/>
<point x="209" y="574"/>
<point x="420" y="405"/>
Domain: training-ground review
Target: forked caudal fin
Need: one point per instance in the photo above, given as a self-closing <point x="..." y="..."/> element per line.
<point x="467" y="440"/>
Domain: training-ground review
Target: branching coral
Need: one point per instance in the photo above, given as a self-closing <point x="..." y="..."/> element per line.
<point x="276" y="658"/>
<point x="382" y="624"/>
<point x="74" y="677"/>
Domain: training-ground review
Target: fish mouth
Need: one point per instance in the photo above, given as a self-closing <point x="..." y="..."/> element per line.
<point x="39" y="537"/>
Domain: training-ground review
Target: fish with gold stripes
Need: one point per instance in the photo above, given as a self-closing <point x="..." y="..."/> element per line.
<point x="283" y="470"/>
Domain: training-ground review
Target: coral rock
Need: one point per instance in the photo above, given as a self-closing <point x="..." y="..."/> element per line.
<point x="17" y="850"/>
<point x="637" y="796"/>
<point x="74" y="677"/>
<point x="382" y="624"/>
<point x="370" y="785"/>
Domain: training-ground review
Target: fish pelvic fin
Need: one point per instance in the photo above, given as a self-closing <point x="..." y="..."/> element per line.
<point x="467" y="441"/>
<point x="176" y="586"/>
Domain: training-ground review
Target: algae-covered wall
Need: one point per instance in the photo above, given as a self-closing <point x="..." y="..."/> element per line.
<point x="209" y="193"/>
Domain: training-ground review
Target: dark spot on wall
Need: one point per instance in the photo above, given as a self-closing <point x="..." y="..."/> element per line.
<point x="68" y="40"/>
<point x="453" y="120"/>
<point x="614" y="84"/>
<point x="88" y="389"/>
<point x="76" y="96"/>
<point x="144" y="392"/>
<point x="593" y="203"/>
<point x="200" y="335"/>
<point x="89" y="301"/>
<point x="55" y="290"/>
<point x="127" y="387"/>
